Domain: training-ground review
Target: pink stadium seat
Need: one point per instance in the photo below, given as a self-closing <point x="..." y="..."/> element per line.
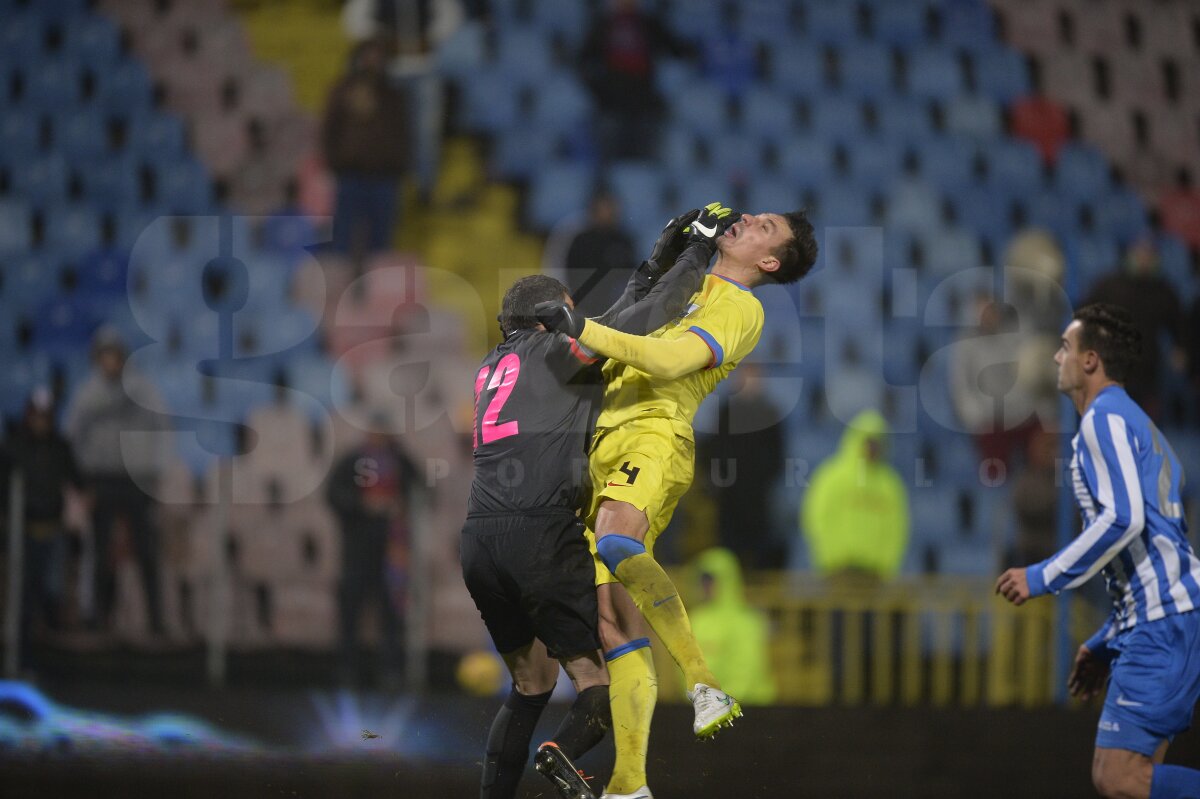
<point x="1174" y="134"/>
<point x="1109" y="126"/>
<point x="1167" y="28"/>
<point x="1099" y="30"/>
<point x="1031" y="27"/>
<point x="222" y="142"/>
<point x="1067" y="77"/>
<point x="1136" y="80"/>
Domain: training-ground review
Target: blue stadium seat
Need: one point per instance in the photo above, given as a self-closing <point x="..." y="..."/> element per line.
<point x="768" y="114"/>
<point x="1122" y="214"/>
<point x="678" y="150"/>
<point x="830" y="23"/>
<point x="903" y="120"/>
<point x="735" y="155"/>
<point x="914" y="205"/>
<point x="899" y="22"/>
<point x="934" y="74"/>
<point x="524" y="54"/>
<point x="842" y="206"/>
<point x="490" y="101"/>
<point x="160" y="136"/>
<point x="561" y="103"/>
<point x="772" y="194"/>
<point x="672" y="74"/>
<point x="93" y="39"/>
<point x="798" y="69"/>
<point x="63" y="326"/>
<point x="695" y="19"/>
<point x="19" y="136"/>
<point x="974" y="115"/>
<point x="462" y="54"/>
<point x="567" y="19"/>
<point x="81" y="137"/>
<point x="1081" y="172"/>
<point x="952" y="250"/>
<point x="1001" y="73"/>
<point x="1094" y="255"/>
<point x="700" y="109"/>
<point x="125" y="88"/>
<point x="1053" y="211"/>
<point x="765" y="21"/>
<point x="1175" y="264"/>
<point x="40" y="180"/>
<point x="16" y="226"/>
<point x="22" y="37"/>
<point x="640" y="188"/>
<point x="21" y="376"/>
<point x="967" y="24"/>
<point x="183" y="187"/>
<point x="947" y="162"/>
<point x="806" y="161"/>
<point x="518" y="152"/>
<point x="72" y="230"/>
<point x="1014" y="166"/>
<point x="319" y="377"/>
<point x="698" y="189"/>
<point x="875" y="162"/>
<point x="104" y="272"/>
<point x="112" y="183"/>
<point x="934" y="514"/>
<point x="131" y="221"/>
<point x="561" y="190"/>
<point x="985" y="211"/>
<point x="865" y="70"/>
<point x="52" y="85"/>
<point x="837" y="117"/>
<point x="28" y="279"/>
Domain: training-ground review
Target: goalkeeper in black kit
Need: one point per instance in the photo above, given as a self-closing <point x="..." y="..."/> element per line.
<point x="525" y="558"/>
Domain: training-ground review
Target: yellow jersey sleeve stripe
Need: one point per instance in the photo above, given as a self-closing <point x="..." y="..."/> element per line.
<point x="718" y="352"/>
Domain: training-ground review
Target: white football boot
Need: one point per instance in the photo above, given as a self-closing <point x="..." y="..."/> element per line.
<point x="640" y="793"/>
<point x="714" y="709"/>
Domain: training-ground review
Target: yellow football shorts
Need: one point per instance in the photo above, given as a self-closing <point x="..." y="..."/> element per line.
<point x="645" y="464"/>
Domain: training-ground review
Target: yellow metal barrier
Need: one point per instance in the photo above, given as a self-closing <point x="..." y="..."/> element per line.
<point x="945" y="641"/>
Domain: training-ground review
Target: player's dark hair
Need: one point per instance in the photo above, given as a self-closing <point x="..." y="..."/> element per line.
<point x="516" y="310"/>
<point x="799" y="253"/>
<point x="1109" y="331"/>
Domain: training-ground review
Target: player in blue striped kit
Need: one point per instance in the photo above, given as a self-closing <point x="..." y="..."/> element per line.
<point x="1127" y="482"/>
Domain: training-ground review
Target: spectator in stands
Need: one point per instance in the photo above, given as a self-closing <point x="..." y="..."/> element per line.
<point x="618" y="65"/>
<point x="733" y="635"/>
<point x="1154" y="305"/>
<point x="365" y="138"/>
<point x="1180" y="210"/>
<point x="369" y="491"/>
<point x="121" y="472"/>
<point x="47" y="467"/>
<point x="1042" y="122"/>
<point x="745" y="459"/>
<point x="1035" y="501"/>
<point x="855" y="512"/>
<point x="599" y="257"/>
<point x="983" y="374"/>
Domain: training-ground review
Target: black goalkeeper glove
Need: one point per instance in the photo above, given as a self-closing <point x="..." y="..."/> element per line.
<point x="670" y="245"/>
<point x="712" y="223"/>
<point x="557" y="315"/>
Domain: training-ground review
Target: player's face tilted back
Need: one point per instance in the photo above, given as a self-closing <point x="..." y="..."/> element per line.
<point x="768" y="247"/>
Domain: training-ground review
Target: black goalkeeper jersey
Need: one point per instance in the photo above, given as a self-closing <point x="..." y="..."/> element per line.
<point x="536" y="400"/>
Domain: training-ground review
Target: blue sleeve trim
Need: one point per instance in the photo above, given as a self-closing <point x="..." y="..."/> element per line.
<point x="613" y="549"/>
<point x="717" y="352"/>
<point x="1037" y="582"/>
<point x="625" y="649"/>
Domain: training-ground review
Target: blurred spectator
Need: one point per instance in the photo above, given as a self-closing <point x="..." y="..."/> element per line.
<point x="1154" y="304"/>
<point x="1193" y="348"/>
<point x="47" y="466"/>
<point x="1043" y="122"/>
<point x="989" y="400"/>
<point x="745" y="459"/>
<point x="855" y="512"/>
<point x="1035" y="501"/>
<point x="599" y="258"/>
<point x="121" y="472"/>
<point x="369" y="491"/>
<point x="365" y="137"/>
<point x="1034" y="267"/>
<point x="734" y="636"/>
<point x="618" y="64"/>
<point x="1180" y="210"/>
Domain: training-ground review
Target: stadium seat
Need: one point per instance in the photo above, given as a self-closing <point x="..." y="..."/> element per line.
<point x="836" y="117"/>
<point x="914" y="205"/>
<point x="968" y="25"/>
<point x="523" y="53"/>
<point x="903" y="120"/>
<point x="679" y="150"/>
<point x="41" y="180"/>
<point x="462" y="53"/>
<point x="952" y="250"/>
<point x="154" y="134"/>
<point x="1081" y="172"/>
<point x="1122" y="214"/>
<point x="899" y="22"/>
<point x="320" y="378"/>
<point x="52" y="85"/>
<point x="975" y="116"/>
<point x="72" y="231"/>
<point x="695" y="19"/>
<point x="830" y="23"/>
<point x="566" y="19"/>
<point x="797" y="69"/>
<point x="561" y="103"/>
<point x="933" y="74"/>
<point x="764" y="194"/>
<point x="22" y="38"/>
<point x="93" y="39"/>
<point x="842" y="206"/>
<point x="16" y="227"/>
<point x="875" y="162"/>
<point x="768" y="114"/>
<point x="562" y="189"/>
<point x="735" y="155"/>
<point x="1067" y="77"/>
<point x="699" y="189"/>
<point x="987" y="212"/>
<point x="518" y="152"/>
<point x="639" y="188"/>
<point x="183" y="187"/>
<point x="63" y="326"/>
<point x="490" y="101"/>
<point x="1014" y="167"/>
<point x="701" y="110"/>
<point x="20" y="136"/>
<point x="81" y="137"/>
<point x="765" y="21"/>
<point x="1001" y="73"/>
<point x="865" y="70"/>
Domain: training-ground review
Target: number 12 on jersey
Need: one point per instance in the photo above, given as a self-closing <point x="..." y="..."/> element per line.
<point x="503" y="381"/>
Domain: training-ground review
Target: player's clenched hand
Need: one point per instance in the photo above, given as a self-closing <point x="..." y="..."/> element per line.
<point x="670" y="244"/>
<point x="1013" y="585"/>
<point x="710" y="225"/>
<point x="1088" y="674"/>
<point x="557" y="315"/>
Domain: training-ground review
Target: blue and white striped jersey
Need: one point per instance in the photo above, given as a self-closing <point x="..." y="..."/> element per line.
<point x="1128" y="484"/>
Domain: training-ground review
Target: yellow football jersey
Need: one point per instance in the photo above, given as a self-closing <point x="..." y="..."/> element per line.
<point x="728" y="317"/>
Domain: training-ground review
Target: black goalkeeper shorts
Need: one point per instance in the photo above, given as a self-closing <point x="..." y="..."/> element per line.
<point x="531" y="574"/>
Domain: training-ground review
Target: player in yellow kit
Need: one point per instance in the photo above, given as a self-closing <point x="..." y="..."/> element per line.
<point x="642" y="459"/>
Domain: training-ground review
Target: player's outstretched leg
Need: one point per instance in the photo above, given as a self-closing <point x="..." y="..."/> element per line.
<point x="508" y="743"/>
<point x="554" y="765"/>
<point x="658" y="599"/>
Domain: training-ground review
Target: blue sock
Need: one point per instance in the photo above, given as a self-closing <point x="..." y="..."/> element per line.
<point x="1174" y="782"/>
